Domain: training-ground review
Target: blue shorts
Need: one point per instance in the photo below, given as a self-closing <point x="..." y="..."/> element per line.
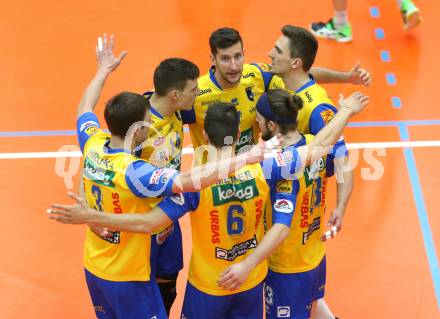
<point x="125" y="299"/>
<point x="243" y="305"/>
<point x="167" y="253"/>
<point x="291" y="295"/>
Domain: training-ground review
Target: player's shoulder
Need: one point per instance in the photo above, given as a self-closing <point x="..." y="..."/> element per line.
<point x="208" y="87"/>
<point x="316" y="88"/>
<point x="253" y="67"/>
<point x="262" y="67"/>
<point x="251" y="170"/>
<point x="289" y="154"/>
<point x="308" y="138"/>
<point x="137" y="163"/>
<point x="96" y="136"/>
<point x="318" y="92"/>
<point x="254" y="70"/>
<point x="317" y="97"/>
<point x="205" y="81"/>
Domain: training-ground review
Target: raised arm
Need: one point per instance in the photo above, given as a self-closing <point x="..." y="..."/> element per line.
<point x="328" y="136"/>
<point x="107" y="63"/>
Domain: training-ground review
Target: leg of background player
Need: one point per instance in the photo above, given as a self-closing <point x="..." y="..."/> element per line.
<point x="338" y="28"/>
<point x="167" y="287"/>
<point x="410" y="13"/>
<point x="320" y="310"/>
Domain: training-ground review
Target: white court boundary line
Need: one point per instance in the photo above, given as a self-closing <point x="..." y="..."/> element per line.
<point x="189" y="150"/>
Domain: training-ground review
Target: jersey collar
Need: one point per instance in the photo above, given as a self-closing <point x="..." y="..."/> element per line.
<point x="155" y="112"/>
<point x="301" y="142"/>
<point x="212" y="77"/>
<point x="108" y="150"/>
<point x="307" y="85"/>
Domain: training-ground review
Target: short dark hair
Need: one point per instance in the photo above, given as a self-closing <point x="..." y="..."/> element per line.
<point x="302" y="44"/>
<point x="173" y="74"/>
<point x="123" y="110"/>
<point x="224" y="38"/>
<point x="285" y="105"/>
<point x="221" y="121"/>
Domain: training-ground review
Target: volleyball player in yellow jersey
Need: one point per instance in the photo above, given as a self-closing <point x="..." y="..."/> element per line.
<point x="228" y="227"/>
<point x="230" y="80"/>
<point x="117" y="265"/>
<point x="292" y="57"/>
<point x="163" y="148"/>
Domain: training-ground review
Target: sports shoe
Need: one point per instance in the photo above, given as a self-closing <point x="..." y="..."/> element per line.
<point x="329" y="31"/>
<point x="410" y="14"/>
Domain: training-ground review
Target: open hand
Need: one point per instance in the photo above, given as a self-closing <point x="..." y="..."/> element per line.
<point x="358" y="76"/>
<point x="107" y="62"/>
<point x="356" y="102"/>
<point x="78" y="213"/>
<point x="234" y="276"/>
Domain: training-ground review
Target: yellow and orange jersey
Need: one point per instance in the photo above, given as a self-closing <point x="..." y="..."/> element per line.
<point x="254" y="81"/>
<point x="318" y="109"/>
<point x="117" y="182"/>
<point x="303" y="250"/>
<point x="163" y="147"/>
<point x="227" y="220"/>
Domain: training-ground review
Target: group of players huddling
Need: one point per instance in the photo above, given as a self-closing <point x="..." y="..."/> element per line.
<point x="256" y="208"/>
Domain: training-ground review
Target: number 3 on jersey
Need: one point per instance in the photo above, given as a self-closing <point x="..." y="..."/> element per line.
<point x="236" y="223"/>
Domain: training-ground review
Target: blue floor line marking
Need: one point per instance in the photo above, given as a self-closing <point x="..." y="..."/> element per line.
<point x="379" y="33"/>
<point x="396" y="102"/>
<point x="37" y="133"/>
<point x="374" y="12"/>
<point x="390" y="78"/>
<point x="421" y="213"/>
<point x="385" y="56"/>
<point x="186" y="130"/>
<point x="394" y="123"/>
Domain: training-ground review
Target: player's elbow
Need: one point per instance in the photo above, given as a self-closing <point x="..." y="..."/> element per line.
<point x="181" y="184"/>
<point x="146" y="228"/>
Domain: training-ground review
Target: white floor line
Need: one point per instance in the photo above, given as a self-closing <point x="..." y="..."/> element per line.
<point x="189" y="150"/>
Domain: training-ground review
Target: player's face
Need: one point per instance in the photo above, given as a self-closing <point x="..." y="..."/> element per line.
<point x="266" y="133"/>
<point x="229" y="63"/>
<point x="280" y="55"/>
<point x="187" y="96"/>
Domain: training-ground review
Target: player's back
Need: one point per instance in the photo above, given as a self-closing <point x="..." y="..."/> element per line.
<point x="119" y="256"/>
<point x="226" y="227"/>
<point x="303" y="250"/>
